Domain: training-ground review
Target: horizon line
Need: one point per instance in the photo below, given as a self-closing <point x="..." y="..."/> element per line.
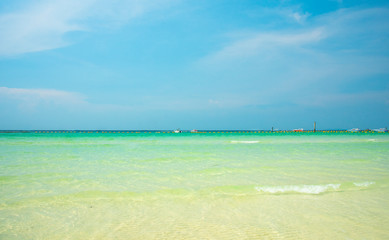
<point x="183" y="131"/>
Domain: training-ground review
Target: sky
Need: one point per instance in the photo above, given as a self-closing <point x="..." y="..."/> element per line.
<point x="220" y="64"/>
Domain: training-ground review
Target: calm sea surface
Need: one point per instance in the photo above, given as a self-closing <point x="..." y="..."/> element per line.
<point x="194" y="186"/>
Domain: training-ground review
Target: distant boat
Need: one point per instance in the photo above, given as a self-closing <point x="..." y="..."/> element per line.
<point x="380" y="130"/>
<point x="194" y="131"/>
<point x="178" y="131"/>
<point x="298" y="130"/>
<point x="354" y="130"/>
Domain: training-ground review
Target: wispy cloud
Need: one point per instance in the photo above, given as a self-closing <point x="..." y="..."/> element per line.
<point x="300" y="18"/>
<point x="32" y="98"/>
<point x="345" y="26"/>
<point x="375" y="97"/>
<point x="266" y="41"/>
<point x="317" y="60"/>
<point x="42" y="25"/>
<point x="285" y="15"/>
<point x="354" y="21"/>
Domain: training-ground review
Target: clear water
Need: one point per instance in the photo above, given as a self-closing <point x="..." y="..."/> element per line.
<point x="194" y="186"/>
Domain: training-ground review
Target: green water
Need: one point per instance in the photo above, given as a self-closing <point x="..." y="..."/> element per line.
<point x="194" y="186"/>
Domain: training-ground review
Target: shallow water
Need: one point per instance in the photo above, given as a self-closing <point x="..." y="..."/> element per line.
<point x="194" y="186"/>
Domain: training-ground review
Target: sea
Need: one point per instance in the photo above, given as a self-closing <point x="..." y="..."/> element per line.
<point x="204" y="185"/>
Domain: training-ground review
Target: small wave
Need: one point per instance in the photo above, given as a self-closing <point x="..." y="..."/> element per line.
<point x="245" y="142"/>
<point x="308" y="189"/>
<point x="363" y="184"/>
<point x="372" y="140"/>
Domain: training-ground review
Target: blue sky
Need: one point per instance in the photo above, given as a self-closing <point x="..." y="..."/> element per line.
<point x="220" y="64"/>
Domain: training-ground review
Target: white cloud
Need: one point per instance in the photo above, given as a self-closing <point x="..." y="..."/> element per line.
<point x="43" y="94"/>
<point x="318" y="60"/>
<point x="300" y="18"/>
<point x="43" y="99"/>
<point x="32" y="98"/>
<point x="346" y="28"/>
<point x="265" y="41"/>
<point x="285" y="15"/>
<point x="355" y="21"/>
<point x="39" y="27"/>
<point x="336" y="99"/>
<point x="42" y="25"/>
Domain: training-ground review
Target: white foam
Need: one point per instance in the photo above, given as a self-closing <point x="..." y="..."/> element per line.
<point x="363" y="184"/>
<point x="309" y="189"/>
<point x="372" y="140"/>
<point x="245" y="142"/>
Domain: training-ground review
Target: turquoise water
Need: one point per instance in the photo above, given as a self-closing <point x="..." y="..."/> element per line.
<point x="194" y="186"/>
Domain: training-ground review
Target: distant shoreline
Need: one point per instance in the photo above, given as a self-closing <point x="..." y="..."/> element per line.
<point x="187" y="131"/>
